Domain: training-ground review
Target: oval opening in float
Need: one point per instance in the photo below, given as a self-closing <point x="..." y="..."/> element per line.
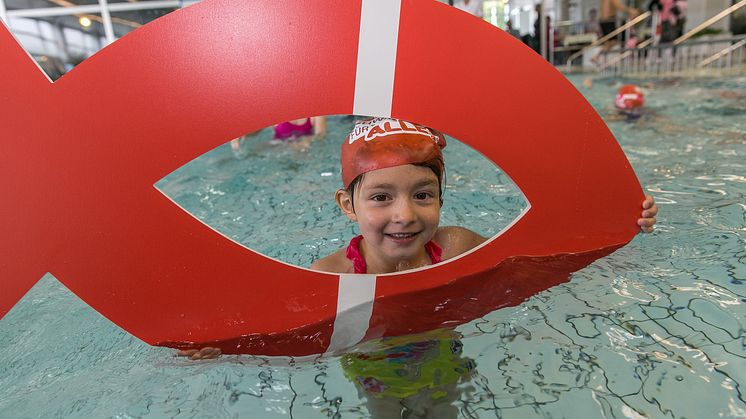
<point x="276" y="197"/>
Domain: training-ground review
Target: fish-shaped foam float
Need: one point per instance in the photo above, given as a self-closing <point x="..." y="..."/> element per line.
<point x="81" y="155"/>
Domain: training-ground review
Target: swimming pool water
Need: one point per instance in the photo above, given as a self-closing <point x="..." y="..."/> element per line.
<point x="653" y="330"/>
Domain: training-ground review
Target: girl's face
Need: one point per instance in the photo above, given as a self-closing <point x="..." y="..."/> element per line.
<point x="398" y="211"/>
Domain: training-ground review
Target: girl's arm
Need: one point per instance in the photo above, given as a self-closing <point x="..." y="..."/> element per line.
<point x="456" y="240"/>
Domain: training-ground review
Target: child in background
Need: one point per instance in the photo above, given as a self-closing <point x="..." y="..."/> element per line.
<point x="393" y="173"/>
<point x="299" y="133"/>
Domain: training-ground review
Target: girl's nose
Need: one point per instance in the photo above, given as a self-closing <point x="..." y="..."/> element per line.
<point x="403" y="211"/>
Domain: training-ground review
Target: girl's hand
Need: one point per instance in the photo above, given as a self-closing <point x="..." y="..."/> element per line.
<point x="649" y="211"/>
<point x="197" y="354"/>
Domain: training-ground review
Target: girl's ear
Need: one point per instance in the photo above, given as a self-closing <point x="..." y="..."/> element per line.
<point x="344" y="202"/>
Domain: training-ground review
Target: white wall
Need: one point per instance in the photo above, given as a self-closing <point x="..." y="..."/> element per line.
<point x="701" y="10"/>
<point x="522" y="13"/>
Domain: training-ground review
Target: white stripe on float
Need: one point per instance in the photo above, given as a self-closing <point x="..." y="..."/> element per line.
<point x="376" y="57"/>
<point x="354" y="308"/>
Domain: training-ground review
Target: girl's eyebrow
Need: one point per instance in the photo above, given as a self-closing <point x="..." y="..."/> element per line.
<point x="420" y="184"/>
<point x="427" y="182"/>
<point x="382" y="186"/>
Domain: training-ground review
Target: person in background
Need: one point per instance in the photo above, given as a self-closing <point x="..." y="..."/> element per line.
<point x="609" y="10"/>
<point x="509" y="29"/>
<point x="473" y="7"/>
<point x="536" y="39"/>
<point x="668" y="20"/>
<point x="298" y="133"/>
<point x="633" y="39"/>
<point x="592" y="26"/>
<point x="679" y="10"/>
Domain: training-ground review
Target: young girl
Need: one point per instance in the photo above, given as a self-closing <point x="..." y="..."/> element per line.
<point x="393" y="173"/>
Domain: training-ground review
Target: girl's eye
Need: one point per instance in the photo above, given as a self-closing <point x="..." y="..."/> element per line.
<point x="423" y="195"/>
<point x="379" y="197"/>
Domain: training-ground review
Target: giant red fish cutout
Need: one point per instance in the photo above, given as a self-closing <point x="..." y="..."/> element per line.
<point x="81" y="155"/>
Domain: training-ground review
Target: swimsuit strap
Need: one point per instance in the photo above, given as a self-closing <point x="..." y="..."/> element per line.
<point x="354" y="255"/>
<point x="434" y="251"/>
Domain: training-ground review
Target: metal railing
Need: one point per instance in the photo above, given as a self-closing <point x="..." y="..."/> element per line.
<point x="682" y="55"/>
<point x="608" y="37"/>
<point x="719" y="56"/>
<point x="702" y="26"/>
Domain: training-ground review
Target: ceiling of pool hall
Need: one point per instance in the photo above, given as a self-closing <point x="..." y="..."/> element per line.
<point x="36" y="4"/>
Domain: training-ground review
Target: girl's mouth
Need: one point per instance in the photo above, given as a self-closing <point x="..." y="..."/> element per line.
<point x="402" y="238"/>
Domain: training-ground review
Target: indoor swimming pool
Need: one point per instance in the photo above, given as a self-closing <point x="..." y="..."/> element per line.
<point x="654" y="330"/>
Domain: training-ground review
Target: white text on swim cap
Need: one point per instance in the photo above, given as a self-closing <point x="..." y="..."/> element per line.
<point x="382" y="127"/>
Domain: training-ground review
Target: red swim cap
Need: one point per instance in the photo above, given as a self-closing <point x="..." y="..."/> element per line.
<point x="384" y="142"/>
<point x="629" y="97"/>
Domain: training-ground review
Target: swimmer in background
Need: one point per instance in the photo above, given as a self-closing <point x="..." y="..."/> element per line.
<point x="299" y="133"/>
<point x="629" y="103"/>
<point x="629" y="106"/>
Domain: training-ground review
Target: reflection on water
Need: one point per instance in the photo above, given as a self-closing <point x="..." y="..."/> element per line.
<point x="419" y="376"/>
<point x="654" y="330"/>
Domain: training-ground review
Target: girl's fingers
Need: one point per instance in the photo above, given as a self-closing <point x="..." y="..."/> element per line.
<point x="204" y="353"/>
<point x="650" y="213"/>
<point x="646" y="224"/>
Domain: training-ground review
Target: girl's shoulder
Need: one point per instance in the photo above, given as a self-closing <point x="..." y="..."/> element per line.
<point x="456" y="240"/>
<point x="337" y="262"/>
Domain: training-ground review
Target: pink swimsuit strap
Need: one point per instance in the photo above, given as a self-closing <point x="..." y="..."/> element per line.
<point x="289" y="130"/>
<point x="358" y="261"/>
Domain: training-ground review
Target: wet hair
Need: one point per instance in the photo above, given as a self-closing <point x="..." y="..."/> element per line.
<point x="433" y="165"/>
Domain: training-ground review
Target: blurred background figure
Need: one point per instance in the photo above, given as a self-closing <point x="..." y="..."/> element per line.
<point x="473" y="7"/>
<point x="299" y="133"/>
<point x="629" y="101"/>
<point x="592" y="26"/>
<point x="510" y="30"/>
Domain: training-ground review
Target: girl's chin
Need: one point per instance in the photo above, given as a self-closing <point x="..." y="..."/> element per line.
<point x="404" y="256"/>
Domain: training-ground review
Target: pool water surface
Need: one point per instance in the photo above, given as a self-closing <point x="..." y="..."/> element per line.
<point x="655" y="329"/>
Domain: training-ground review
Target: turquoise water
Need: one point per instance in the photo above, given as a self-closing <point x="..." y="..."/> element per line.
<point x="653" y="330"/>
